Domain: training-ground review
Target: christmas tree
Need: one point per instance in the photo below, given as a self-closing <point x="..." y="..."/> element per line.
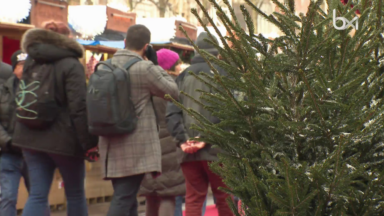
<point x="307" y="138"/>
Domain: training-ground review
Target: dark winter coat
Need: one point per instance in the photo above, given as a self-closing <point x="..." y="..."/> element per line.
<point x="5" y="72"/>
<point x="69" y="133"/>
<point x="171" y="180"/>
<point x="7" y="115"/>
<point x="179" y="123"/>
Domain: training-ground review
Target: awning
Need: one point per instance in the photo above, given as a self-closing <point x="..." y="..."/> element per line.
<point x="112" y="46"/>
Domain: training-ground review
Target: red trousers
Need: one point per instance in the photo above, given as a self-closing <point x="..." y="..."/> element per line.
<point x="198" y="177"/>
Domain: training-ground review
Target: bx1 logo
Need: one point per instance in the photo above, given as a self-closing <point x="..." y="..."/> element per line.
<point x="346" y="23"/>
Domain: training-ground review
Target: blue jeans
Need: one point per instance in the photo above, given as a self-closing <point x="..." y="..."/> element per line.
<point x="179" y="206"/>
<point x="12" y="168"/>
<point x="41" y="168"/>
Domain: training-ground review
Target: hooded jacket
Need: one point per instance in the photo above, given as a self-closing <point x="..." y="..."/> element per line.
<point x="178" y="122"/>
<point x="68" y="135"/>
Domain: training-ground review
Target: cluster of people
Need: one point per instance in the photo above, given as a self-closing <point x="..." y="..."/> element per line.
<point x="159" y="159"/>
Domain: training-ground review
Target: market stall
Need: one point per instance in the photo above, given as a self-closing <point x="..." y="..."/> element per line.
<point x="109" y="24"/>
<point x="10" y="36"/>
<point x="37" y="12"/>
<point x="167" y="34"/>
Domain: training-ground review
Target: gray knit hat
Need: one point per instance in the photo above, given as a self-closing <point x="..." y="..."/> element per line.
<point x="204" y="45"/>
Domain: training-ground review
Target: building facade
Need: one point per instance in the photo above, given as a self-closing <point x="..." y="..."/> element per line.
<point x="182" y="8"/>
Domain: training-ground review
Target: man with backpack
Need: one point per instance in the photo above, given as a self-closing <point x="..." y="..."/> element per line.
<point x="121" y="112"/>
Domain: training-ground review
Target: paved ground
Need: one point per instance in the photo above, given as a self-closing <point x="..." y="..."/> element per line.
<point x="102" y="209"/>
<point x="94" y="210"/>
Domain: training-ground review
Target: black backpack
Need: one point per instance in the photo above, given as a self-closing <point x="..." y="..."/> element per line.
<point x="110" y="109"/>
<point x="37" y="107"/>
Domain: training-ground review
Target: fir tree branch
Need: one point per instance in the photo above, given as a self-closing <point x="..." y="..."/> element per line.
<point x="248" y="20"/>
<point x="326" y="130"/>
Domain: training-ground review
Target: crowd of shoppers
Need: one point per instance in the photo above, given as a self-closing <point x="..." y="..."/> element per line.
<point x="44" y="125"/>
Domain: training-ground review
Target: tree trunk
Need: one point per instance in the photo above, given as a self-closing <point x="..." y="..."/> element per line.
<point x="207" y="7"/>
<point x="89" y="2"/>
<point x="103" y="2"/>
<point x="254" y="20"/>
<point x="162" y="6"/>
<point x="131" y="6"/>
<point x="255" y="15"/>
<point x="74" y="2"/>
<point x="162" y="11"/>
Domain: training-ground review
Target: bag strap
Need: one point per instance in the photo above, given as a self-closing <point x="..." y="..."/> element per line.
<point x="107" y="63"/>
<point x="130" y="63"/>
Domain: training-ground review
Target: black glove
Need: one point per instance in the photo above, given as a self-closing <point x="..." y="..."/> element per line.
<point x="151" y="55"/>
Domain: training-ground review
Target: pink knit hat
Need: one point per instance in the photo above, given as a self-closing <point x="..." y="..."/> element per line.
<point x="167" y="58"/>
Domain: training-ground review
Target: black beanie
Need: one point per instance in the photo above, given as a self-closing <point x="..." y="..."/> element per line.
<point x="17" y="57"/>
<point x="204" y="45"/>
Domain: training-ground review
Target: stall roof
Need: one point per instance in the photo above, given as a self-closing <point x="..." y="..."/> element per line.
<point x="111" y="46"/>
<point x="14" y="30"/>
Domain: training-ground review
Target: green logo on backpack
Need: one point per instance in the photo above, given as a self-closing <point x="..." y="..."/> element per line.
<point x="37" y="107"/>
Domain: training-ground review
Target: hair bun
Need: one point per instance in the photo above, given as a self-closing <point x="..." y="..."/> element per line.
<point x="58" y="27"/>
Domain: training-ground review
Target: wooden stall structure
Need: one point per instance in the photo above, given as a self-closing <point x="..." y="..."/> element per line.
<point x="189" y="28"/>
<point x="47" y="10"/>
<point x="117" y="24"/>
<point x="183" y="46"/>
<point x="41" y="11"/>
<point x="10" y="36"/>
<point x="119" y="21"/>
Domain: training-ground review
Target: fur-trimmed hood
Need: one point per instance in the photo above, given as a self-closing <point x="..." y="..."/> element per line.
<point x="50" y="39"/>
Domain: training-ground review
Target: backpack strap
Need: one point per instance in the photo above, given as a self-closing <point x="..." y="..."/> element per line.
<point x="107" y="63"/>
<point x="130" y="63"/>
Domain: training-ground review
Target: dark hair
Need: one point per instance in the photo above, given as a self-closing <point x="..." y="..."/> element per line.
<point x="173" y="68"/>
<point x="137" y="37"/>
<point x="58" y="27"/>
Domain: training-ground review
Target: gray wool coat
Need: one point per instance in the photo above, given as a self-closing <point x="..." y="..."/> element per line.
<point x="140" y="151"/>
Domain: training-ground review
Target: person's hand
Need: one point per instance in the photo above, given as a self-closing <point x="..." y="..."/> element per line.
<point x="199" y="145"/>
<point x="186" y="147"/>
<point x="196" y="145"/>
<point x="192" y="146"/>
<point x="92" y="155"/>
